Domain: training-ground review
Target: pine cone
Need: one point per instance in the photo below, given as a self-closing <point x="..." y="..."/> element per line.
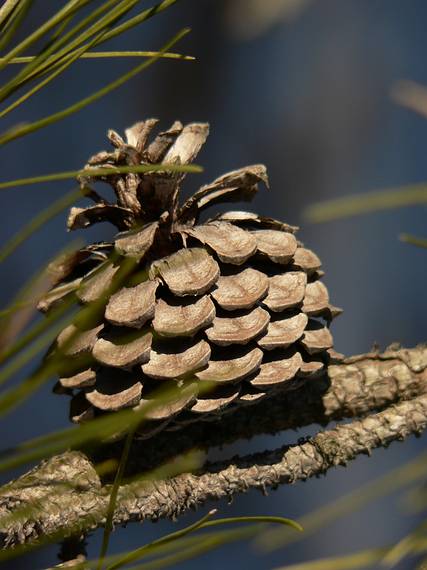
<point x="236" y="300"/>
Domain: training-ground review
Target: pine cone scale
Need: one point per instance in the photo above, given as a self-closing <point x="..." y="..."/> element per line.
<point x="277" y="372"/>
<point x="73" y="341"/>
<point x="136" y="243"/>
<point x="231" y="244"/>
<point x="231" y="369"/>
<point x="122" y="349"/>
<point x="286" y="291"/>
<point x="97" y="282"/>
<point x="84" y="379"/>
<point x="279" y="247"/>
<point x="240" y="290"/>
<point x="207" y="405"/>
<point x="240" y="329"/>
<point x="132" y="306"/>
<point x="178" y="319"/>
<point x="104" y="396"/>
<point x="167" y="410"/>
<point x="186" y="359"/>
<point x="316" y="299"/>
<point x="306" y="260"/>
<point x="158" y="148"/>
<point x="58" y="294"/>
<point x="316" y="338"/>
<point x="187" y="272"/>
<point x="283" y="332"/>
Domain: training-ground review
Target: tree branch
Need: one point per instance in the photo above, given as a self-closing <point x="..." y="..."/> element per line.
<point x="67" y="497"/>
<point x="351" y="388"/>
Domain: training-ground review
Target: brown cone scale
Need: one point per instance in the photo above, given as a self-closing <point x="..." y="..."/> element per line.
<point x="229" y="311"/>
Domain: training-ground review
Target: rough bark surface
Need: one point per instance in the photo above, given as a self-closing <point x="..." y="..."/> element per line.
<point x="66" y="495"/>
<point x="352" y="388"/>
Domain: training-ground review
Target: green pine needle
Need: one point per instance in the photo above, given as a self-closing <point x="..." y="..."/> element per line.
<point x="23" y="130"/>
<point x="413" y="240"/>
<point x="115" y="54"/>
<point x="68" y="61"/>
<point x="97" y="172"/>
<point x="69" y="8"/>
<point x="108" y="528"/>
<point x="327" y="211"/>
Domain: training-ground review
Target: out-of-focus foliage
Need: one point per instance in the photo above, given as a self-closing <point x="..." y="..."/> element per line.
<point x="247" y="19"/>
<point x="414" y="97"/>
<point x="410" y="476"/>
<point x="411" y="95"/>
<point x="368" y="202"/>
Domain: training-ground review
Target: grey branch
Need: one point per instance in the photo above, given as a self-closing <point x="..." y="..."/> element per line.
<point x="64" y="495"/>
<point x="352" y="388"/>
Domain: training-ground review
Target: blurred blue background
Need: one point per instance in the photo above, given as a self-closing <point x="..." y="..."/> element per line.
<point x="303" y="87"/>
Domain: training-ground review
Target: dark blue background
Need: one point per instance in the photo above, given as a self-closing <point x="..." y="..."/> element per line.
<point x="310" y="98"/>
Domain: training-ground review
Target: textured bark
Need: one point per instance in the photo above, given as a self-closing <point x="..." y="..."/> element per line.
<point x="352" y="388"/>
<point x="67" y="497"/>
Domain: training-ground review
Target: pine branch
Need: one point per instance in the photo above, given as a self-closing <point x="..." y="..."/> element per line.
<point x="66" y="497"/>
<point x="351" y="388"/>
